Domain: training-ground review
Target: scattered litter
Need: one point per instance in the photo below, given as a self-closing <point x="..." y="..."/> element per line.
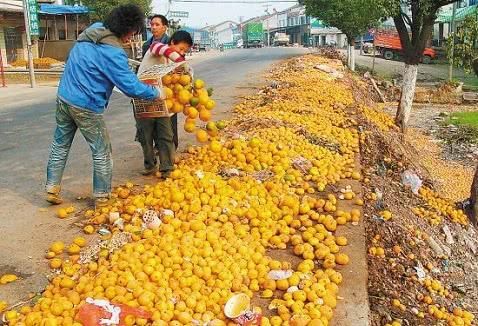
<point x="278" y="274"/>
<point x="420" y="271"/>
<point x="151" y="219"/>
<point x="200" y="174"/>
<point x="445" y="265"/>
<point x="293" y="289"/>
<point x="229" y="172"/>
<point x="436" y="247"/>
<point x="101" y="312"/>
<point x="449" y="236"/>
<point x="471" y="244"/>
<point x="412" y="180"/>
<point x="117" y="241"/>
<point x="329" y="70"/>
<point x="119" y="223"/>
<point x="302" y="164"/>
<point x="104" y="231"/>
<point x="113" y="217"/>
<point x="263" y="175"/>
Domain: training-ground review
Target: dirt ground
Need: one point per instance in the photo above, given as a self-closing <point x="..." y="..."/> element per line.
<point x="451" y="174"/>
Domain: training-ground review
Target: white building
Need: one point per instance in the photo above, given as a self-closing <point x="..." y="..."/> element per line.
<point x="323" y="35"/>
<point x="442" y="28"/>
<point x="223" y="33"/>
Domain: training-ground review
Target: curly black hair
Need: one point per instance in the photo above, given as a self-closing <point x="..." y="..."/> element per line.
<point x="125" y="19"/>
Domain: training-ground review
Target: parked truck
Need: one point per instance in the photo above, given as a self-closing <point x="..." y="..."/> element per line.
<point x="390" y="46"/>
<point x="252" y="35"/>
<point x="281" y="39"/>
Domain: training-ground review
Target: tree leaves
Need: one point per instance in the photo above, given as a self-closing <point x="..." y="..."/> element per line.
<point x="466" y="45"/>
<point x="352" y="17"/>
<point x="100" y="9"/>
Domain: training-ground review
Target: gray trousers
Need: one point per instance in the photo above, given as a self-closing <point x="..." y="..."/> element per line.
<point x="159" y="131"/>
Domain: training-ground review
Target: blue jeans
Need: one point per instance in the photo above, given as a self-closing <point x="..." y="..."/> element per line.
<point x="93" y="128"/>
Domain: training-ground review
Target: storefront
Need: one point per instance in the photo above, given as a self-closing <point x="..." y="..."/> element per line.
<point x="60" y="26"/>
<point x="442" y="29"/>
<point x="326" y="36"/>
<point x="12" y="34"/>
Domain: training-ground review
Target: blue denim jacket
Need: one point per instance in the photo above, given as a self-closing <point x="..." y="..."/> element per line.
<point x="95" y="65"/>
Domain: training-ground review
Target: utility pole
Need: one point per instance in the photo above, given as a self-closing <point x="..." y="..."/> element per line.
<point x="452" y="50"/>
<point x="267" y="23"/>
<point x="2" y="72"/>
<point x="26" y="14"/>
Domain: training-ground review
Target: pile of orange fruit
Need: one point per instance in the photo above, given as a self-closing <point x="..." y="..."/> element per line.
<point x="228" y="211"/>
<point x="193" y="99"/>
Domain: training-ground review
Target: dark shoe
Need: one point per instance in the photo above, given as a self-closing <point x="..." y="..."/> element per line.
<point x="149" y="171"/>
<point x="165" y="175"/>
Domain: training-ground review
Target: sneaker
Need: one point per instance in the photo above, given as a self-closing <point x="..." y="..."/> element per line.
<point x="103" y="202"/>
<point x="54" y="199"/>
<point x="149" y="171"/>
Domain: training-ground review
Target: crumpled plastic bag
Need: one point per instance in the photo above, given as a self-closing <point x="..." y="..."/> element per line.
<point x="102" y="312"/>
<point x="412" y="180"/>
<point x="279" y="274"/>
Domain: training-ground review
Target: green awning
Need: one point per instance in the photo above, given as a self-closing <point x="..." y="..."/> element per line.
<point x="461" y="13"/>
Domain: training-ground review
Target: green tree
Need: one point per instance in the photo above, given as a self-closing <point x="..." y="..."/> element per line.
<point x="100" y="9"/>
<point x="465" y="47"/>
<point x="352" y="17"/>
<point x="414" y="20"/>
<point x="465" y="55"/>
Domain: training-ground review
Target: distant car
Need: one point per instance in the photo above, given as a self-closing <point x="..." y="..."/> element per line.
<point x="368" y="47"/>
<point x="198" y="47"/>
<point x="240" y="44"/>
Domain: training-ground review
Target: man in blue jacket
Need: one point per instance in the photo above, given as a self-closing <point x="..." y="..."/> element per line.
<point x="96" y="64"/>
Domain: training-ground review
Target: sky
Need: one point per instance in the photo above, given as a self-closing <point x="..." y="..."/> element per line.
<point x="201" y="14"/>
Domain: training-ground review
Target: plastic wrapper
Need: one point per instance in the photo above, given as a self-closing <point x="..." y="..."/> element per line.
<point x="412" y="180"/>
<point x="102" y="312"/>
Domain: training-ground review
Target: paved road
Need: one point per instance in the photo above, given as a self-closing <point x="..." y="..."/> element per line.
<point x="27" y="225"/>
<point x="426" y="73"/>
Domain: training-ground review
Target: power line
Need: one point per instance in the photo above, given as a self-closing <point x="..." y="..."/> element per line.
<point x="235" y="1"/>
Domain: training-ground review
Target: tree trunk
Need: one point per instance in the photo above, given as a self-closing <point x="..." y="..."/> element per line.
<point x="348" y="55"/>
<point x="406" y="98"/>
<point x="351" y="53"/>
<point x="473" y="211"/>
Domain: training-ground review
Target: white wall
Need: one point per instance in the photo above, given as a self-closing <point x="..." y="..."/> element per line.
<point x="271" y="22"/>
<point x="282" y="20"/>
<point x="224" y="36"/>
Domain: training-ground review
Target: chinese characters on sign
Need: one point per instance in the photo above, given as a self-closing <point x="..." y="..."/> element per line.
<point x="33" y="17"/>
<point x="178" y="14"/>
